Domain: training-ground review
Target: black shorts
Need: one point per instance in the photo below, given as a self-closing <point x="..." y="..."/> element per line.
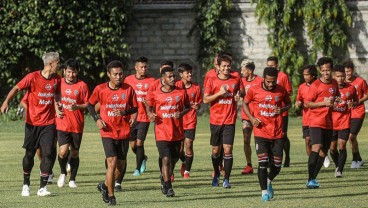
<point x="320" y="136"/>
<point x="139" y="131"/>
<point x="116" y="148"/>
<point x="285" y="124"/>
<point x="223" y="134"/>
<point x="356" y="125"/>
<point x="305" y="131"/>
<point x="340" y="134"/>
<point x="272" y="147"/>
<point x="189" y="134"/>
<point x="168" y="149"/>
<point x="36" y="136"/>
<point x="74" y="139"/>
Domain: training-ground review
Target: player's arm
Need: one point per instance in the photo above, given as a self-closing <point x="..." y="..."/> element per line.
<point x="99" y="122"/>
<point x="9" y="97"/>
<point x="186" y="109"/>
<point x="285" y="107"/>
<point x="255" y="121"/>
<point x="210" y="98"/>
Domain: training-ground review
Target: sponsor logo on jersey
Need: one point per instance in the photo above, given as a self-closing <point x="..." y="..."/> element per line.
<point x="68" y="91"/>
<point x="331" y="90"/>
<point x="268" y="98"/>
<point x="48" y="87"/>
<point x="169" y="107"/>
<point x="168" y="99"/>
<point x="139" y="85"/>
<point x="115" y="97"/>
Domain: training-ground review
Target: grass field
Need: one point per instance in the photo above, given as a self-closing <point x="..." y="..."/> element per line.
<point x="144" y="191"/>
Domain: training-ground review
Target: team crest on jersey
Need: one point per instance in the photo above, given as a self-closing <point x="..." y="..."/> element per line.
<point x="177" y="98"/>
<point x="76" y="92"/>
<point x="347" y="94"/>
<point x="168" y="99"/>
<point x="139" y="85"/>
<point x="277" y="98"/>
<point x="115" y="97"/>
<point x="268" y="98"/>
<point x="68" y="91"/>
<point x="226" y="86"/>
<point x="48" y="87"/>
<point x="55" y="86"/>
<point x="192" y="95"/>
<point x="356" y="86"/>
<point x="233" y="85"/>
<point x="123" y="96"/>
<point x="146" y="86"/>
<point x="331" y="90"/>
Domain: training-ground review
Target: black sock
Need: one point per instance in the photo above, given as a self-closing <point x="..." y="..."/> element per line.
<point x="74" y="165"/>
<point x="312" y="161"/>
<point x="319" y="165"/>
<point x="188" y="162"/>
<point x="249" y="164"/>
<point x="26" y="179"/>
<point x="160" y="163"/>
<point x="274" y="171"/>
<point x="335" y="158"/>
<point x="286" y="147"/>
<point x="182" y="158"/>
<point x="216" y="162"/>
<point x="139" y="157"/>
<point x="104" y="187"/>
<point x="342" y="159"/>
<point x="53" y="158"/>
<point x="106" y="164"/>
<point x="356" y="156"/>
<point x="134" y="150"/>
<point x="262" y="175"/>
<point x="228" y="165"/>
<point x="43" y="180"/>
<point x="62" y="163"/>
<point x="122" y="174"/>
<point x="221" y="158"/>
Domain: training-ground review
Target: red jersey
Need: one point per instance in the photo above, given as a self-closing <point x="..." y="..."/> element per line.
<point x="213" y="74"/>
<point x="341" y="112"/>
<point x="361" y="90"/>
<point x="264" y="103"/>
<point x="140" y="87"/>
<point x="78" y="93"/>
<point x="223" y="110"/>
<point x="40" y="101"/>
<point x="283" y="81"/>
<point x="248" y="84"/>
<point x="301" y="96"/>
<point x="195" y="96"/>
<point x="318" y="92"/>
<point x="166" y="104"/>
<point x="123" y="98"/>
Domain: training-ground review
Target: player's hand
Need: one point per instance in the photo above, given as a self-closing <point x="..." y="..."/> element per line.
<point x="59" y="110"/>
<point x="151" y="116"/>
<point x="73" y="107"/>
<point x="223" y="90"/>
<point x="298" y="103"/>
<point x="119" y="112"/>
<point x="132" y="122"/>
<point x="237" y="96"/>
<point x="177" y="115"/>
<point x="4" y="108"/>
<point x="100" y="124"/>
<point x="328" y="102"/>
<point x="255" y="121"/>
<point x="195" y="106"/>
<point x="278" y="110"/>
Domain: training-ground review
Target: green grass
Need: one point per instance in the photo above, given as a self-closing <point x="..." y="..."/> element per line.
<point x="144" y="191"/>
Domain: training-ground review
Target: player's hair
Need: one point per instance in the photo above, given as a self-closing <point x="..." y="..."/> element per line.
<point x="311" y="69"/>
<point x="273" y="58"/>
<point x="167" y="62"/>
<point x="184" y="67"/>
<point x="339" y="68"/>
<point x="348" y="64"/>
<point x="114" y="64"/>
<point x="72" y="64"/>
<point x="270" y="71"/>
<point x="223" y="57"/>
<point x="166" y="69"/>
<point x="49" y="57"/>
<point x="325" y="60"/>
<point x="141" y="59"/>
<point x="249" y="64"/>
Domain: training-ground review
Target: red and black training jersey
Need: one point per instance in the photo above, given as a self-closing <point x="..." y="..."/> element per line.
<point x="361" y="90"/>
<point x="341" y="112"/>
<point x="140" y="87"/>
<point x="195" y="96"/>
<point x="77" y="93"/>
<point x="318" y="92"/>
<point x="248" y="84"/>
<point x="264" y="105"/>
<point x="223" y="110"/>
<point x="40" y="101"/>
<point x="301" y="96"/>
<point x="166" y="104"/>
<point x="123" y="98"/>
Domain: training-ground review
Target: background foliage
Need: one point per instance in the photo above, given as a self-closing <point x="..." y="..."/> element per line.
<point x="90" y="31"/>
<point x="213" y="26"/>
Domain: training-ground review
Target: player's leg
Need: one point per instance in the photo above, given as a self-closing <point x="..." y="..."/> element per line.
<point x="74" y="159"/>
<point x="307" y="140"/>
<point x="64" y="140"/>
<point x="343" y="138"/>
<point x="31" y="146"/>
<point x="189" y="136"/>
<point x="247" y="133"/>
<point x="355" y="126"/>
<point x="285" y="124"/>
<point x="276" y="161"/>
<point x="316" y="141"/>
<point x="333" y="148"/>
<point x="262" y="149"/>
<point x="228" y="141"/>
<point x="216" y="132"/>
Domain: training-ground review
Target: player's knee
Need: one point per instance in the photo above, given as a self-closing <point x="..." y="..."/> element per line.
<point x="263" y="161"/>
